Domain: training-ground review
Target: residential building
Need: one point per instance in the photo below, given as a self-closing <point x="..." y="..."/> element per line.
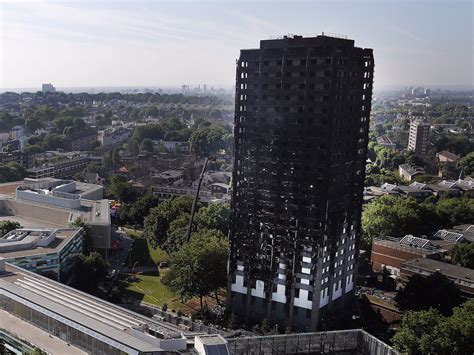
<point x="463" y="277"/>
<point x="390" y="253"/>
<point x="409" y="172"/>
<point x="17" y="132"/>
<point x="447" y="157"/>
<point x="301" y="130"/>
<point x="386" y="142"/>
<point x="115" y="135"/>
<point x="65" y="168"/>
<point x="84" y="141"/>
<point x="418" y="137"/>
<point x="48" y="88"/>
<point x="23" y="159"/>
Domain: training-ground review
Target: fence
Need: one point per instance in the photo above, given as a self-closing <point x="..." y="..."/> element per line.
<point x="335" y="342"/>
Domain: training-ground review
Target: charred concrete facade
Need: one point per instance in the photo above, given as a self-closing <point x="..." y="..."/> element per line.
<point x="301" y="131"/>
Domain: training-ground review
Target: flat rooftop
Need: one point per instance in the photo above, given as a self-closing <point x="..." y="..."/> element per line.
<point x="395" y="243"/>
<point x="26" y="222"/>
<point x="62" y="237"/>
<point x="36" y="336"/>
<point x="98" y="316"/>
<point x="449" y="270"/>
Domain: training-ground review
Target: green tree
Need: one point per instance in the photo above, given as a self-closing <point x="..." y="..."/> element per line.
<point x="146" y="145"/>
<point x="208" y="140"/>
<point x="396" y="217"/>
<point x="215" y="216"/>
<point x="177" y="233"/>
<point x="435" y="291"/>
<point x="87" y="233"/>
<point x="454" y="211"/>
<point x="428" y="332"/>
<point x="463" y="254"/>
<point x="122" y="189"/>
<point x="467" y="164"/>
<point x="54" y="141"/>
<point x="89" y="271"/>
<point x="199" y="267"/>
<point x="158" y="221"/>
<point x="12" y="172"/>
<point x="135" y="213"/>
<point x="7" y="226"/>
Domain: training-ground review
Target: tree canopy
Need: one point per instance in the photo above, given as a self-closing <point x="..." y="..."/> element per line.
<point x="435" y="291"/>
<point x="7" y="226"/>
<point x="467" y="164"/>
<point x="158" y="221"/>
<point x="398" y="216"/>
<point x="89" y="271"/>
<point x="463" y="254"/>
<point x="12" y="172"/>
<point x="429" y="332"/>
<point x="200" y="266"/>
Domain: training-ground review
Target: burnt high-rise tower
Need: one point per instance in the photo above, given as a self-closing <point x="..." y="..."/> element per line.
<point x="301" y="129"/>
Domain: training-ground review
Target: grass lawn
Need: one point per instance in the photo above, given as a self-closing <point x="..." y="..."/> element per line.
<point x="148" y="288"/>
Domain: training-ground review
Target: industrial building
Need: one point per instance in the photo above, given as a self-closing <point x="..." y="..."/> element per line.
<point x="301" y="129"/>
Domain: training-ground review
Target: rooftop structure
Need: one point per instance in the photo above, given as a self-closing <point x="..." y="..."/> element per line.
<point x="389" y="253"/>
<point x="301" y="130"/>
<point x="45" y="251"/>
<point x="91" y="324"/>
<point x="414" y="241"/>
<point x="461" y="276"/>
<point x="450" y="236"/>
<point x="445" y="156"/>
<point x="53" y="203"/>
<point x="409" y="172"/>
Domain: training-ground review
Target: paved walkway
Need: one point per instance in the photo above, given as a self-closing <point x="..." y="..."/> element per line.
<point x="36" y="336"/>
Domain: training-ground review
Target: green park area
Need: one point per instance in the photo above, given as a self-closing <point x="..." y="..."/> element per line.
<point x="147" y="286"/>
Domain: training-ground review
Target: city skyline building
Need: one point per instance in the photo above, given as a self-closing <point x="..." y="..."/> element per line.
<point x="48" y="88"/>
<point x="418" y="137"/>
<point x="302" y="112"/>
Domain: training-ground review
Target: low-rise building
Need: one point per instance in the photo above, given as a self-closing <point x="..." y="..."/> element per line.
<point x="23" y="159"/>
<point x="84" y="141"/>
<point x="112" y="136"/>
<point x="57" y="204"/>
<point x="390" y="253"/>
<point x="45" y="251"/>
<point x="447" y="157"/>
<point x="89" y="323"/>
<point x="65" y="168"/>
<point x="409" y="172"/>
<point x="461" y="276"/>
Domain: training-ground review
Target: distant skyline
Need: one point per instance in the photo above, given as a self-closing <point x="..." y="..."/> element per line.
<point x="165" y="44"/>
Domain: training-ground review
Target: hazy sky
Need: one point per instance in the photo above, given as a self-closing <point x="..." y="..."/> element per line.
<point x="157" y="43"/>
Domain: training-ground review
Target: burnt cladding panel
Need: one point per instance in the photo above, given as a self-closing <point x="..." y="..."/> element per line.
<point x="301" y="128"/>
